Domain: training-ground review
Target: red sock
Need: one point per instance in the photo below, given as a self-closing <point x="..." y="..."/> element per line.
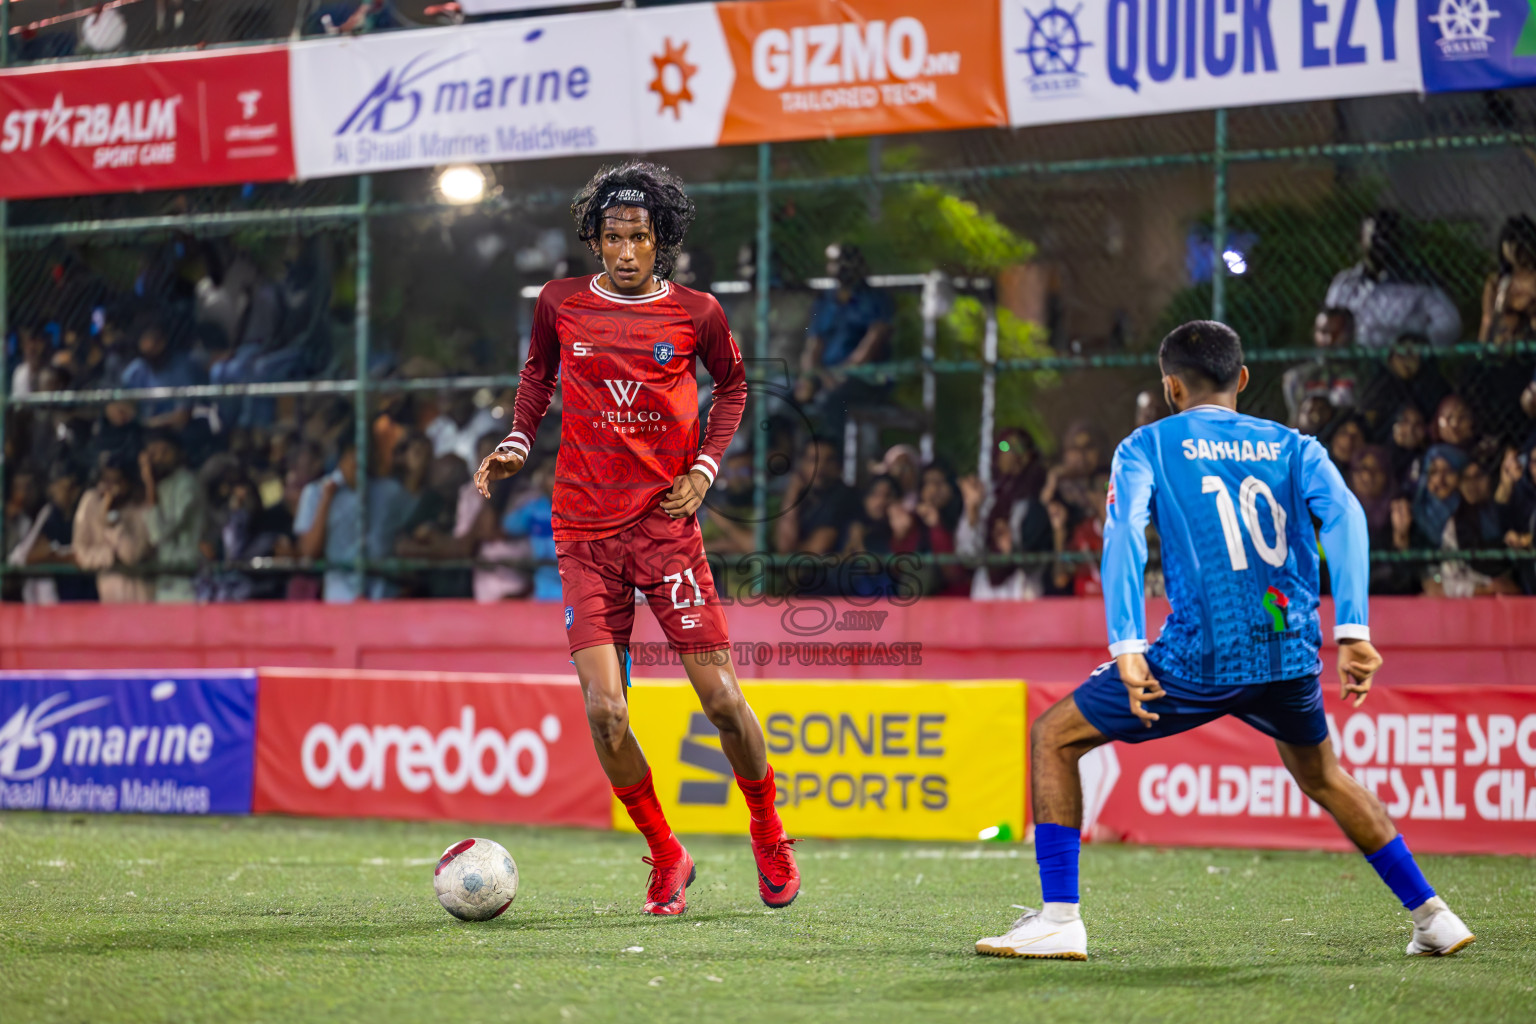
<point x="645" y="810"/>
<point x="760" y="794"/>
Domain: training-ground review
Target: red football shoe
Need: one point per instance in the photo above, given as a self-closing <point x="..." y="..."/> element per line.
<point x="778" y="877"/>
<point x="667" y="893"/>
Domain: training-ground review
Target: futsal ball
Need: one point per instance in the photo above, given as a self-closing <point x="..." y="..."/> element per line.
<point x="475" y="880"/>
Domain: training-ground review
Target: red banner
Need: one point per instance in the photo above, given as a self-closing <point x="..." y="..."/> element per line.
<point x="427" y="746"/>
<point x="1454" y="765"/>
<point x="145" y="123"/>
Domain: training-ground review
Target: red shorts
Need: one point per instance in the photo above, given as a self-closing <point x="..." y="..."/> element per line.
<point x="664" y="558"/>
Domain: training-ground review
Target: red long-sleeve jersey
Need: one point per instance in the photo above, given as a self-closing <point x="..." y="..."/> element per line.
<point x="630" y="399"/>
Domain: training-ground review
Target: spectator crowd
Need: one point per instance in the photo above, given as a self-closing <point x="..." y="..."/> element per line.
<point x="174" y="499"/>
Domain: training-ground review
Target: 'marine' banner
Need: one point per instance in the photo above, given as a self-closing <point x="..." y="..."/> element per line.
<point x="167" y="743"/>
<point x="1454" y="765"/>
<point x="887" y="760"/>
<point x="145" y="123"/>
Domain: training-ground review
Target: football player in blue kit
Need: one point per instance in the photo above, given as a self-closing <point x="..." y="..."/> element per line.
<point x="1233" y="498"/>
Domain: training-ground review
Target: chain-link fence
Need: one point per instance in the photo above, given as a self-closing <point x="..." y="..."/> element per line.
<point x="1020" y="281"/>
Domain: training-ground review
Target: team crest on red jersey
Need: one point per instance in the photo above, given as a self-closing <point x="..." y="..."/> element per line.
<point x="664" y="352"/>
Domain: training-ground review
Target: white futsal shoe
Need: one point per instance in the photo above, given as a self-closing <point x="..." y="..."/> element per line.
<point x="1055" y="933"/>
<point x="1437" y="931"/>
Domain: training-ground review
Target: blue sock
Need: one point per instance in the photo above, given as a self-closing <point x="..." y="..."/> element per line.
<point x="1400" y="871"/>
<point x="1056" y="848"/>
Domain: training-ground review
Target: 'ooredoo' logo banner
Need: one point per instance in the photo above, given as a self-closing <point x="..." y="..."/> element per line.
<point x="1454" y="766"/>
<point x="400" y="745"/>
<point x="130" y="125"/>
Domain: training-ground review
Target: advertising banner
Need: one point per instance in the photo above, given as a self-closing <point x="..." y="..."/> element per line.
<point x="1124" y="58"/>
<point x="888" y="760"/>
<point x="474" y="7"/>
<point x="514" y="90"/>
<point x="145" y="123"/>
<point x="703" y="75"/>
<point x="166" y="743"/>
<point x="427" y="746"/>
<point x="1477" y="44"/>
<point x="699" y="75"/>
<point x="827" y="68"/>
<point x="1454" y="765"/>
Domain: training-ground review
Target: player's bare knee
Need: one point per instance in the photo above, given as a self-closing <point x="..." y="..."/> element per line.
<point x="725" y="709"/>
<point x="1046" y="735"/>
<point x="608" y="719"/>
<point x="1318" y="781"/>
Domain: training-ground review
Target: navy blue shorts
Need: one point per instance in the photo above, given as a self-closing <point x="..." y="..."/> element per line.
<point x="1290" y="711"/>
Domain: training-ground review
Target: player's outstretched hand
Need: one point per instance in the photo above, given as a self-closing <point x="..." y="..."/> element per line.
<point x="1136" y="674"/>
<point x="686" y="495"/>
<point x="1358" y="662"/>
<point x="497" y="466"/>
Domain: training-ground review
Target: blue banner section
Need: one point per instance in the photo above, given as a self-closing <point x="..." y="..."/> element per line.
<point x="1477" y="44"/>
<point x="159" y="743"/>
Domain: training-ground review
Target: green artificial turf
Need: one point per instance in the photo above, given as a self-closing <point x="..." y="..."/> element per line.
<point x="274" y="919"/>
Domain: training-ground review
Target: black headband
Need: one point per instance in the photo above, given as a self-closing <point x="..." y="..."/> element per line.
<point x="625" y="197"/>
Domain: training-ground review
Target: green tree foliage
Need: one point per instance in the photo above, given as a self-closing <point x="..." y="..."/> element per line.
<point x="1298" y="248"/>
<point x="913" y="227"/>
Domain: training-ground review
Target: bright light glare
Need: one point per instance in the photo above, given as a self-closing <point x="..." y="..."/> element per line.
<point x="1236" y="262"/>
<point x="462" y="184"/>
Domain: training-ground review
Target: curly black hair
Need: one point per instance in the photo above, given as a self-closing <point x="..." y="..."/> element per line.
<point x="672" y="211"/>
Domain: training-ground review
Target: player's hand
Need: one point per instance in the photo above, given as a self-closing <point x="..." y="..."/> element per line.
<point x="1358" y="662"/>
<point x="1136" y="674"/>
<point x="686" y="495"/>
<point x="497" y="466"/>
<point x="972" y="493"/>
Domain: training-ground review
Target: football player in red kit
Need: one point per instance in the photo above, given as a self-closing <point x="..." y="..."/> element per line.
<point x="631" y="472"/>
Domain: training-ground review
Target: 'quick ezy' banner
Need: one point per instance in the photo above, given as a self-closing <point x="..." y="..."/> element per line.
<point x="1070" y="61"/>
<point x="164" y="743"/>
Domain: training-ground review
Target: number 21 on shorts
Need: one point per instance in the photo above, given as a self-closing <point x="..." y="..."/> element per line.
<point x="676" y="579"/>
<point x="1247" y="495"/>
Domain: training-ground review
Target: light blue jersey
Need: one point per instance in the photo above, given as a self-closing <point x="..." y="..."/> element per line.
<point x="1232" y="497"/>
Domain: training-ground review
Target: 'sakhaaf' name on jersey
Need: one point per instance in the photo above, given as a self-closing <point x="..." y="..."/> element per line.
<point x="1240" y="451"/>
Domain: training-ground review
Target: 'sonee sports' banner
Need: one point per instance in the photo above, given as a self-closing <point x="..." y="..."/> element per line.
<point x="1454" y="765"/>
<point x="889" y="760"/>
<point x="427" y="746"/>
<point x="1123" y="58"/>
<point x="1477" y="44"/>
<point x="145" y="123"/>
<point x="166" y="743"/>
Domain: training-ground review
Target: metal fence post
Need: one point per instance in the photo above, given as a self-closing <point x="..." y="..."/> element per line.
<point x="1219" y="224"/>
<point x="5" y="297"/>
<point x="988" y="390"/>
<point x="360" y="345"/>
<point x="759" y="410"/>
<point x="930" y="308"/>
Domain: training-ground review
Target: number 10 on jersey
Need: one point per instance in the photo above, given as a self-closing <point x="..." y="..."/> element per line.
<point x="1247" y="495"/>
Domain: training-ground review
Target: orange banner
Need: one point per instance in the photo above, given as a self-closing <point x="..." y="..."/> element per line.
<point x="828" y="68"/>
